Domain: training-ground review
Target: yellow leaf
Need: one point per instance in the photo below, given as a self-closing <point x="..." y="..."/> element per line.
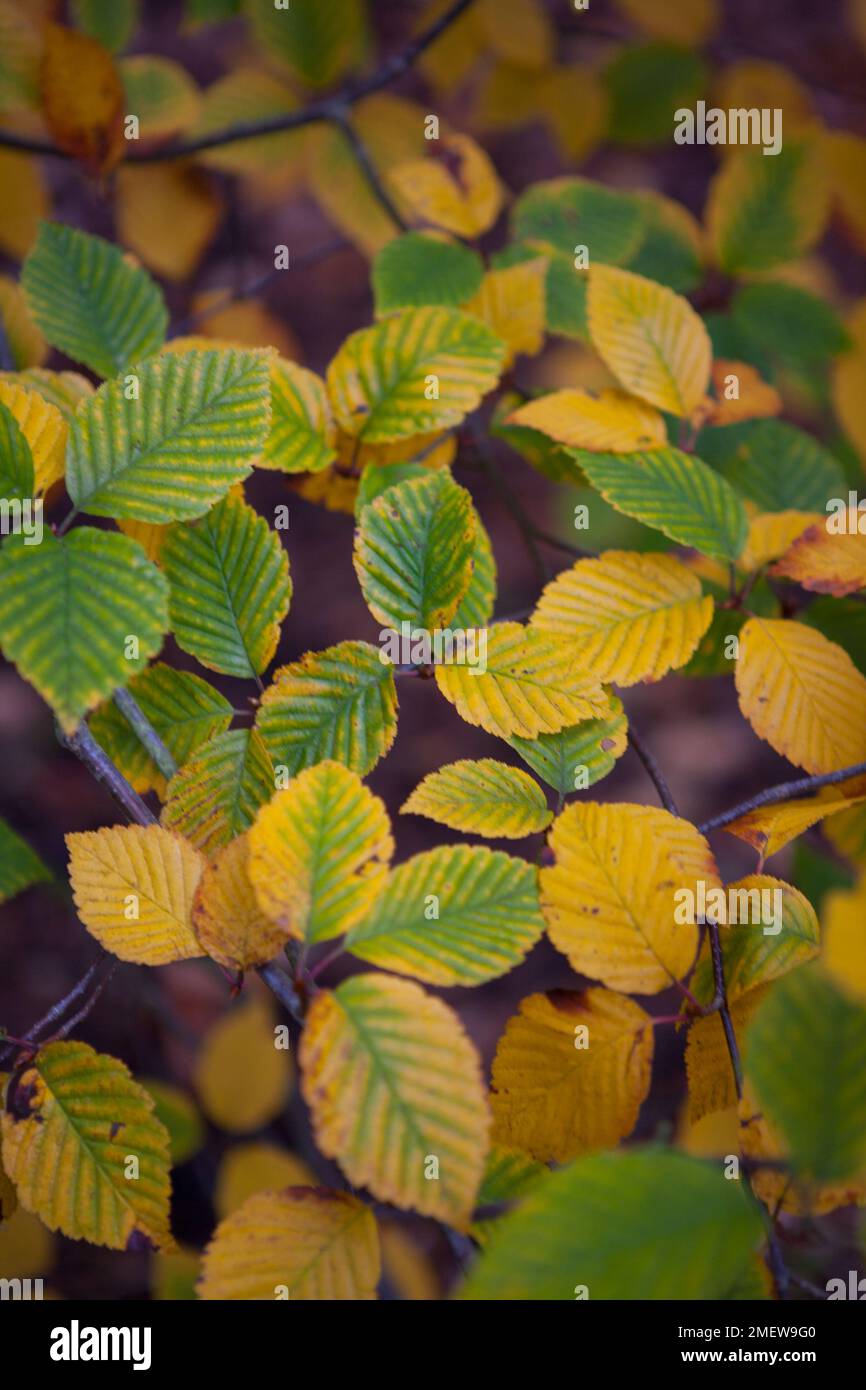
<point x="509" y="96"/>
<point x="243" y="323"/>
<point x="575" y="102"/>
<point x="466" y="201"/>
<point x="512" y="303"/>
<point x="303" y="1244"/>
<point x="708" y="1064"/>
<point x="319" y="853"/>
<point x="482" y="798"/>
<point x="635" y="616"/>
<point x="73" y="1120"/>
<point x="43" y="427"/>
<point x="844" y="953"/>
<point x="257" y="1167"/>
<point x="28" y="347"/>
<point x="710" y="1137"/>
<point x="770" y="535"/>
<point x="134" y="887"/>
<point x="395" y="1090"/>
<point x="650" y="338"/>
<point x="82" y="98"/>
<point x="848" y="384"/>
<point x="168" y="214"/>
<point x="302" y="435"/>
<point x="522" y="32"/>
<point x="609" y="898"/>
<point x="412" y="1273"/>
<point x="448" y="61"/>
<point x="752" y="398"/>
<point x="673" y="22"/>
<point x="754" y="82"/>
<point x="802" y="694"/>
<point x="241" y="1075"/>
<point x="160" y="93"/>
<point x="570" y="1073"/>
<point x="770" y="828"/>
<point x="533" y="684"/>
<point x="825" y="563"/>
<point x="612" y="422"/>
<point x="226" y="916"/>
<point x="25" y="201"/>
<point x="26" y="1246"/>
<point x="270" y="164"/>
<point x="150" y="536"/>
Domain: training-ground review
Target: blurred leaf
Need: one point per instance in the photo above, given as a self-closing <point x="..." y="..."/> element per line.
<point x="646" y="83"/>
<point x="763" y="211"/>
<point x="112" y="22"/>
<point x="20" y="866"/>
<point x="82" y="97"/>
<point x="242" y="1077"/>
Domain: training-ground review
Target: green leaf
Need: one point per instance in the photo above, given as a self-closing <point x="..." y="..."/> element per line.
<point x="667" y="253"/>
<point x="843" y="620"/>
<point x="475" y="609"/>
<point x="379" y="477"/>
<point x="418" y="269"/>
<point x="218" y="794"/>
<point x="488" y="917"/>
<point x="413" y="551"/>
<point x="560" y="214"/>
<point x="640" y="1224"/>
<point x="302" y="431"/>
<point x="646" y="83"/>
<point x="674" y="492"/>
<point x="593" y="745"/>
<point x="316" y="42"/>
<point x="17" y="478"/>
<point x="111" y="22"/>
<point x="752" y="956"/>
<point x="340" y="703"/>
<point x="782" y="468"/>
<point x="508" y="1175"/>
<point x="764" y="211"/>
<point x="788" y="323"/>
<point x="20" y="866"/>
<point x="68" y="609"/>
<point x="90" y="301"/>
<point x="481" y="797"/>
<point x="175" y="1110"/>
<point x="416" y="372"/>
<point x="184" y="710"/>
<point x="197" y="427"/>
<point x="230" y="588"/>
<point x="805" y="1036"/>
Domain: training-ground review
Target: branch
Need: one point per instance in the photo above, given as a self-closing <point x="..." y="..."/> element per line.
<point x="341" y="120"/>
<point x="96" y="760"/>
<point x="58" y="1010"/>
<point x="802" y="785"/>
<point x="331" y="109"/>
<point x="652" y="767"/>
<point x="145" y="732"/>
<point x="281" y="985"/>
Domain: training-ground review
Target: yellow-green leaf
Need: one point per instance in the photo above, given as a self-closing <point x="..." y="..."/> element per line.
<point x="483" y="797"/>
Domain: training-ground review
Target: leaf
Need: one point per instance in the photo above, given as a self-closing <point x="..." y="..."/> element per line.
<point x="378" y="380"/>
<point x="242" y="1077"/>
<point x="753" y="398"/>
<point x="315" y="1244"/>
<point x="672" y="251"/>
<point x="457" y="915"/>
<point x="413" y="552"/>
<point x="532" y="684"/>
<point x="227" y="919"/>
<point x="251" y="1167"/>
<point x="423" y="268"/>
<point x="454" y="186"/>
<point x="651" y="339"/>
<point x="524" y="36"/>
<point x="483" y="797"/>
<point x="674" y="492"/>
<point x="788" y="323"/>
<point x="570" y="1074"/>
<point x="302" y="435"/>
<point x="611" y="422"/>
<point x="805" y="1032"/>
<point x="770" y="828"/>
<point x="763" y="212"/>
<point x="199" y="424"/>
<point x="67" y="610"/>
<point x="391" y="1080"/>
<point x="318" y="44"/>
<point x="827" y="563"/>
<point x="634" y="616"/>
<point x="609" y="898"/>
<point x="340" y="703"/>
<point x="78" y="1112"/>
<point x="134" y="887"/>
<point x="762" y="936"/>
<point x="779" y="1190"/>
<point x="319" y="853"/>
<point x="27" y="202"/>
<point x="230" y="588"/>
<point x="249" y="94"/>
<point x="577" y="756"/>
<point x="843" y="956"/>
<point x="770" y="535"/>
<point x="509" y="1174"/>
<point x="216" y="795"/>
<point x="781" y="468"/>
<point x="27" y="347"/>
<point x="178" y="1114"/>
<point x="16" y="461"/>
<point x="65" y="390"/>
<point x="475" y="609"/>
<point x="511" y="301"/>
<point x="646" y="84"/>
<point x="112" y="24"/>
<point x="90" y="302"/>
<point x="20" y="866"/>
<point x="168" y="214"/>
<point x="606" y="1216"/>
<point x="161" y="93"/>
<point x="712" y="1086"/>
<point x="184" y="710"/>
<point x="82" y="98"/>
<point x="802" y="694"/>
<point x="554" y="215"/>
<point x="44" y="431"/>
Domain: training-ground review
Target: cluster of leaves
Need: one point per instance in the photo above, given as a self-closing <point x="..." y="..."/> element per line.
<point x="269" y="845"/>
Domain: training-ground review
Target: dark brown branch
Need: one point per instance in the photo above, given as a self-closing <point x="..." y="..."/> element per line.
<point x="96" y="760"/>
<point x="343" y="123"/>
<point x="330" y="109"/>
<point x="653" y="769"/>
<point x="57" y="1010"/>
<point x="802" y="786"/>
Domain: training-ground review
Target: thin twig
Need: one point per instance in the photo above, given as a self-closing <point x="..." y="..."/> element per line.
<point x="96" y="760"/>
<point x="145" y="732"/>
<point x="329" y="109"/>
<point x="509" y="498"/>
<point x="653" y="769"/>
<point x="58" y="1010"/>
<point x="801" y="786"/>
<point x="343" y="123"/>
<point x="281" y="985"/>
